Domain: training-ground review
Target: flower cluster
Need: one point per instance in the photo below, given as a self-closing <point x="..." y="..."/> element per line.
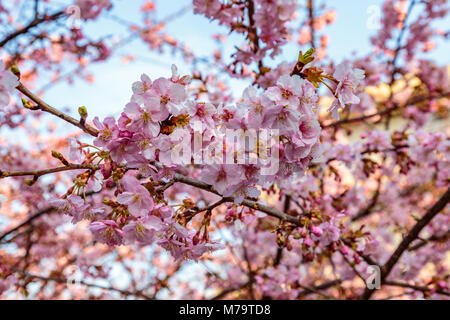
<point x="266" y="24"/>
<point x="348" y="80"/>
<point x="307" y="205"/>
<point x="160" y="118"/>
<point x="91" y="9"/>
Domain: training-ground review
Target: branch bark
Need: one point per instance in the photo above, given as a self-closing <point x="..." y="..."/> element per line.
<point x="38" y="173"/>
<point x="43" y="106"/>
<point x="34" y="23"/>
<point x="410" y="237"/>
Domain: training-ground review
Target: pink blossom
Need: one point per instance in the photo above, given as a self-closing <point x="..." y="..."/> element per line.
<point x="95" y="182"/>
<point x="194" y="252"/>
<point x="140" y="88"/>
<point x="201" y="112"/>
<point x="136" y="197"/>
<point x="287" y="91"/>
<point x="2" y="199"/>
<point x="308" y="242"/>
<point x="309" y="131"/>
<point x="169" y="95"/>
<point x="7" y="283"/>
<point x="137" y="231"/>
<point x="207" y="7"/>
<point x="91" y="9"/>
<point x="72" y="205"/>
<point x="224" y="177"/>
<point x="107" y="231"/>
<point x="108" y="131"/>
<point x="145" y="119"/>
<point x="283" y="118"/>
<point x="122" y="148"/>
<point x="331" y="233"/>
<point x="349" y="79"/>
<point x="378" y="140"/>
<point x="317" y="231"/>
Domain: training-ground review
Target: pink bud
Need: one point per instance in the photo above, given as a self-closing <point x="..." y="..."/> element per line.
<point x="308" y="242"/>
<point x="317" y="231"/>
<point x="344" y="250"/>
<point x="442" y="284"/>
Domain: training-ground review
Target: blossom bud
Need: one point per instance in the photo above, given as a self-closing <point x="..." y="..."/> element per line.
<point x="27" y="104"/>
<point x="29" y="182"/>
<point x="110" y="184"/>
<point x="195" y="239"/>
<point x="344" y="250"/>
<point x="317" y="231"/>
<point x="60" y="157"/>
<point x="106" y="170"/>
<point x="303" y="233"/>
<point x="15" y="71"/>
<point x="441" y="284"/>
<point x="82" y="111"/>
<point x="308" y="242"/>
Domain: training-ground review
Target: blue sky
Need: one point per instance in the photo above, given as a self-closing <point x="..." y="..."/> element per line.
<point x="113" y="79"/>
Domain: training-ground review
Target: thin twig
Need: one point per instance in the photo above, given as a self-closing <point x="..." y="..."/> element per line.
<point x="410" y="237"/>
<point x="43" y="106"/>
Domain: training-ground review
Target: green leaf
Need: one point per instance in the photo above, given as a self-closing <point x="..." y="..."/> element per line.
<point x="307" y="57"/>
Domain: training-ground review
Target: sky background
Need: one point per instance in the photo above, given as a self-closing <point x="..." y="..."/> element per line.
<point x="349" y="35"/>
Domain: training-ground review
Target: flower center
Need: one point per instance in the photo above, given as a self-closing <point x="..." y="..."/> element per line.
<point x="146" y="117"/>
<point x="285" y="93"/>
<point x="106" y="135"/>
<point x="164" y="99"/>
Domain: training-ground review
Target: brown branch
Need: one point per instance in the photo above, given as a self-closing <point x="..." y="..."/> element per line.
<point x="38" y="173"/>
<point x="433" y="238"/>
<point x="251" y="274"/>
<point x="371" y="205"/>
<point x="43" y="106"/>
<point x="310" y="6"/>
<point x="246" y="202"/>
<point x="384" y="112"/>
<point x="34" y="23"/>
<point x="287" y="204"/>
<point x="415" y="287"/>
<point x="399" y="42"/>
<point x="91" y="285"/>
<point x="366" y="258"/>
<point x="34" y="217"/>
<point x="410" y="237"/>
<point x="253" y="32"/>
<point x="230" y="290"/>
<point x="323" y="286"/>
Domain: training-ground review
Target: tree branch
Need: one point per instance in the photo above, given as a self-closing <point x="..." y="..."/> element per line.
<point x="31" y="25"/>
<point x="43" y="106"/>
<point x="246" y="202"/>
<point x="383" y="112"/>
<point x="91" y="285"/>
<point x="38" y="173"/>
<point x="411" y="236"/>
<point x="418" y="288"/>
<point x="310" y="6"/>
